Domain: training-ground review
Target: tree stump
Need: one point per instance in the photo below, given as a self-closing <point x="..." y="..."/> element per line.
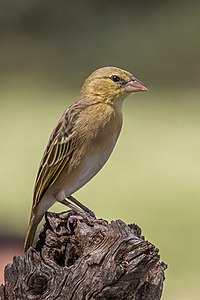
<point x="79" y="258"/>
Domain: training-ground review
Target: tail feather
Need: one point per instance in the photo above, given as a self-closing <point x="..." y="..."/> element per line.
<point x="33" y="224"/>
<point x="30" y="233"/>
<point x="36" y="216"/>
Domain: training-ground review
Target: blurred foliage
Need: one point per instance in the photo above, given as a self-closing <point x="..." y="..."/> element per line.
<point x="47" y="49"/>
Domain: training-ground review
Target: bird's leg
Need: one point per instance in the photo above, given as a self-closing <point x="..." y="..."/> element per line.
<point x="70" y="205"/>
<point x="83" y="207"/>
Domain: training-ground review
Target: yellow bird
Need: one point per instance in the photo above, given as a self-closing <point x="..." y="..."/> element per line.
<point x="82" y="142"/>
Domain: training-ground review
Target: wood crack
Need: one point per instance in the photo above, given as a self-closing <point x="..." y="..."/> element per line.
<point x="83" y="259"/>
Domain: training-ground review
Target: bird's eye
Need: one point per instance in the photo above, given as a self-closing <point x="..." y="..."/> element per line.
<point x="115" y="78"/>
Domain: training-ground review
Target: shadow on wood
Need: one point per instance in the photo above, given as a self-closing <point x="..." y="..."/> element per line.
<point x="80" y="258"/>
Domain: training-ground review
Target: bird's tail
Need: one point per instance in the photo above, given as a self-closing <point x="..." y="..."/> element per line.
<point x="34" y="221"/>
<point x="37" y="214"/>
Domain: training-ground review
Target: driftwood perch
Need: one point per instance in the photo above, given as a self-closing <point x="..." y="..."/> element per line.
<point x="77" y="258"/>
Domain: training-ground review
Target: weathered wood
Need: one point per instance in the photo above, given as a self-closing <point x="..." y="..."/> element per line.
<point x="78" y="258"/>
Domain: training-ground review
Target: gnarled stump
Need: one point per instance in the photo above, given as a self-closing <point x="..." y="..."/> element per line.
<point x="78" y="258"/>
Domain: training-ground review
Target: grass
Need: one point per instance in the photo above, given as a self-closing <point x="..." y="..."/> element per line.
<point x="152" y="178"/>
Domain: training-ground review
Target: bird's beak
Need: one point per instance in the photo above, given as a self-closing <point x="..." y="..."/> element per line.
<point x="135" y="86"/>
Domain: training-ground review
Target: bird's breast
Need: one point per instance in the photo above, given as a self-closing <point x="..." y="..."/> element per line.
<point x="88" y="159"/>
<point x="96" y="155"/>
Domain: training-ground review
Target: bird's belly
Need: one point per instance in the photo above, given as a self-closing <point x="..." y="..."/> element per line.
<point x="88" y="159"/>
<point x="90" y="164"/>
<point x="88" y="168"/>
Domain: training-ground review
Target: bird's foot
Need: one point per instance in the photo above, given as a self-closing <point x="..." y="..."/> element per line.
<point x="83" y="207"/>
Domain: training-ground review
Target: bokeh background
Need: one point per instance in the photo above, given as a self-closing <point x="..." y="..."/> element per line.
<point x="47" y="49"/>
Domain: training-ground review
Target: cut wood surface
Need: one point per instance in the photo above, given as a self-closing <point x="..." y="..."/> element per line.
<point x="78" y="257"/>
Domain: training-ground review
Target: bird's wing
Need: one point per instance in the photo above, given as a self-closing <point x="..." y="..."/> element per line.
<point x="58" y="152"/>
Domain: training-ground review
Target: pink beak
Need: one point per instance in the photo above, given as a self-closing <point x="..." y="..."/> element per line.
<point x="135" y="86"/>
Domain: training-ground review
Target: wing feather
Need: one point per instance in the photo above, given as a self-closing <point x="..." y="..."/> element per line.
<point x="58" y="152"/>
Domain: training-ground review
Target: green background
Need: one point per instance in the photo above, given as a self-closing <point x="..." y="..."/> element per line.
<point x="47" y="49"/>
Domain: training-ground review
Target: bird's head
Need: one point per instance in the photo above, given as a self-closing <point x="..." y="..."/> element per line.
<point x="109" y="84"/>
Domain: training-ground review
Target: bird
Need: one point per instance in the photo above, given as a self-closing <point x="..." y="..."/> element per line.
<point x="81" y="142"/>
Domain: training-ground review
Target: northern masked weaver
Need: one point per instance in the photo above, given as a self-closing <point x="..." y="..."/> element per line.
<point x="82" y="142"/>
